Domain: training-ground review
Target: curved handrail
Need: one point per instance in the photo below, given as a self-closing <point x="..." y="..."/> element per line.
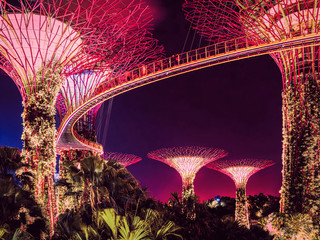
<point x="94" y="145"/>
<point x="218" y="53"/>
<point x="163" y="64"/>
<point x="176" y="60"/>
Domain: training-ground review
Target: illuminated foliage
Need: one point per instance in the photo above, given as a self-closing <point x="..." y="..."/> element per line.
<point x="70" y="160"/>
<point x="18" y="209"/>
<point x="187" y="161"/>
<point x="240" y="171"/>
<point x="42" y="42"/>
<point x="267" y="21"/>
<point x="129" y="45"/>
<point x="290" y="226"/>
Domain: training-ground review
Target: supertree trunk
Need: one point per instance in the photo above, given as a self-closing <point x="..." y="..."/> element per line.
<point x="188" y="198"/>
<point x="240" y="171"/>
<point x="242" y="213"/>
<point x="39" y="135"/>
<point x="301" y="137"/>
<point x="187" y="188"/>
<point x="187" y="161"/>
<point x="269" y="21"/>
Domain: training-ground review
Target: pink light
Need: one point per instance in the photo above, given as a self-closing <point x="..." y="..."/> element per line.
<point x="187" y="166"/>
<point x="187" y="160"/>
<point x="29" y="41"/>
<point x="122" y="158"/>
<point x="268" y="21"/>
<point x="240" y="170"/>
<point x="77" y="89"/>
<point x="240" y="174"/>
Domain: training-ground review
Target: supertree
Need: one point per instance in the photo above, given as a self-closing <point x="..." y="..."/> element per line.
<point x="74" y="92"/>
<point x="187" y="161"/>
<point x="130" y="44"/>
<point x="122" y="158"/>
<point x="267" y="21"/>
<point x="42" y="42"/>
<point x="240" y="171"/>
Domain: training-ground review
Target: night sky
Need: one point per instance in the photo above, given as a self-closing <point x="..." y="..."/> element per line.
<point x="234" y="106"/>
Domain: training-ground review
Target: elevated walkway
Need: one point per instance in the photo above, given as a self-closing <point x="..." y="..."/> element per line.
<point x="219" y="53"/>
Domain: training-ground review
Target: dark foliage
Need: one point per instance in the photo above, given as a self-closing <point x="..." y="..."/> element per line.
<point x="17" y="205"/>
<point x="262" y="205"/>
<point x="211" y="222"/>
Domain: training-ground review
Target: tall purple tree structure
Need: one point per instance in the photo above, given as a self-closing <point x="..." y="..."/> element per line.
<point x="122" y="158"/>
<point x="187" y="161"/>
<point x="240" y="171"/>
<point x="75" y="91"/>
<point x="42" y="42"/>
<point x="269" y="21"/>
<point x="130" y="45"/>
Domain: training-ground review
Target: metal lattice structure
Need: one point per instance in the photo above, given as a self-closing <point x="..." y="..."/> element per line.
<point x="130" y="45"/>
<point x="270" y="21"/>
<point x="74" y="91"/>
<point x="240" y="171"/>
<point x="211" y="55"/>
<point x="42" y="42"/>
<point x="122" y="158"/>
<point x="187" y="161"/>
<point x="216" y="20"/>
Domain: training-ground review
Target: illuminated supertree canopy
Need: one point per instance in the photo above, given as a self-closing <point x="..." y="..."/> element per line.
<point x="267" y="21"/>
<point x="187" y="161"/>
<point x="240" y="171"/>
<point x="122" y="158"/>
<point x="76" y="90"/>
<point x="216" y="20"/>
<point x="42" y="42"/>
<point x="130" y="45"/>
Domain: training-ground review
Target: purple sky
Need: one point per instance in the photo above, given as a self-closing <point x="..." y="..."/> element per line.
<point x="234" y="106"/>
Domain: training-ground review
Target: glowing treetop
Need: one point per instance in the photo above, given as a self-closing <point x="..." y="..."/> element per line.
<point x="187" y="161"/>
<point x="122" y="158"/>
<point x="240" y="171"/>
<point x="130" y="44"/>
<point x="267" y="21"/>
<point x="41" y="35"/>
<point x="216" y="20"/>
<point x="42" y="42"/>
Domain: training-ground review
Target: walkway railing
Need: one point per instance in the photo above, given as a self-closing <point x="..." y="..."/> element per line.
<point x="175" y="61"/>
<point x="162" y="65"/>
<point x="87" y="142"/>
<point x="232" y="48"/>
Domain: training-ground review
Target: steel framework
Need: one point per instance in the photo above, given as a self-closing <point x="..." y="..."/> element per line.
<point x="42" y="42"/>
<point x="130" y="45"/>
<point x="218" y="53"/>
<point x="122" y="158"/>
<point x="187" y="161"/>
<point x="240" y="171"/>
<point x="268" y="21"/>
<point x="76" y="90"/>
